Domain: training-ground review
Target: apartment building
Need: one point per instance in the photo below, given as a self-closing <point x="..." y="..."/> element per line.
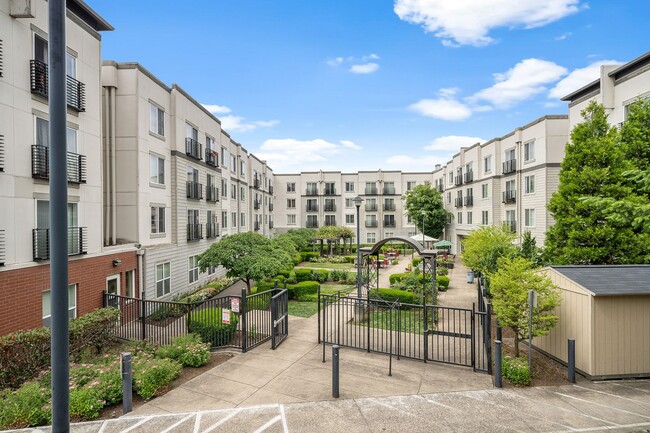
<point x="176" y="180"/>
<point x="24" y="167"/>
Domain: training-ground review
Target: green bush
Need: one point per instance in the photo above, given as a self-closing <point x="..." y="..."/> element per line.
<point x="28" y="406"/>
<point x="442" y="271"/>
<point x="416" y="261"/>
<point x="85" y="404"/>
<point x="302" y="275"/>
<point x="296" y="259"/>
<point x="516" y="370"/>
<point x="292" y="278"/>
<point x="443" y="282"/>
<point x="208" y="325"/>
<point x="319" y="275"/>
<point x="395" y="278"/>
<point x="301" y="290"/>
<point x="395" y="262"/>
<point x="152" y="375"/>
<point x="186" y="349"/>
<point x="349" y="259"/>
<point x="285" y="273"/>
<point x="305" y="256"/>
<point x="392" y="295"/>
<point x="351" y="278"/>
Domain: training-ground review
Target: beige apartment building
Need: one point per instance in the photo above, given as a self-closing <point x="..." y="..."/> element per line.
<point x="24" y="167"/>
<point x="176" y="180"/>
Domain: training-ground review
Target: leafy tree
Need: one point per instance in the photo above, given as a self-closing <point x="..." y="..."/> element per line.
<point x="529" y="249"/>
<point x="484" y="246"/>
<point x="428" y="199"/>
<point x="509" y="289"/>
<point x="593" y="166"/>
<point x="301" y="237"/>
<point x="249" y="256"/>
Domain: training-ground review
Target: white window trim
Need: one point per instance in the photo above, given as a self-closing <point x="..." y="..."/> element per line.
<point x="169" y="277"/>
<point x="49" y="316"/>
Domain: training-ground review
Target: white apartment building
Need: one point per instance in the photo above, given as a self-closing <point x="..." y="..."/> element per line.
<point x="24" y="166"/>
<point x="176" y="180"/>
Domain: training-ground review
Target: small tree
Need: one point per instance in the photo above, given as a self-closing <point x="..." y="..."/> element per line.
<point x="484" y="247"/>
<point x="249" y="256"/>
<point x="529" y="249"/>
<point x="428" y="199"/>
<point x="301" y="237"/>
<point x="509" y="289"/>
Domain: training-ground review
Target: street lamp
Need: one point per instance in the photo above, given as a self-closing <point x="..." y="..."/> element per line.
<point x="357" y="202"/>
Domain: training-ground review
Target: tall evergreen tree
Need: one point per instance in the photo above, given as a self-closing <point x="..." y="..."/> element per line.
<point x="593" y="165"/>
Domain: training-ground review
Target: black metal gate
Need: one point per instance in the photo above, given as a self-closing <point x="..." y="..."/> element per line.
<point x="279" y="318"/>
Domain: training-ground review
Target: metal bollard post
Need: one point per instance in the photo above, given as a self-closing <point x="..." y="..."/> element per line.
<point x="571" y="372"/>
<point x="335" y="371"/>
<point x="127" y="383"/>
<point x="498" y="378"/>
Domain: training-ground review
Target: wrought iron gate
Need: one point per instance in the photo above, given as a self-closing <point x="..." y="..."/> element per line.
<point x="279" y="318"/>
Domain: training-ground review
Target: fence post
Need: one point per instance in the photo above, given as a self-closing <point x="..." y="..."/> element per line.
<point x="499" y="331"/>
<point x="324" y="325"/>
<point x="390" y="339"/>
<point x="274" y="309"/>
<point x="426" y="333"/>
<point x="498" y="377"/>
<point x="489" y="337"/>
<point x="275" y="284"/>
<point x="143" y="316"/>
<point x="571" y="372"/>
<point x="473" y="334"/>
<point x="127" y="383"/>
<point x="318" y="311"/>
<point x="338" y="319"/>
<point x="335" y="371"/>
<point x="243" y="309"/>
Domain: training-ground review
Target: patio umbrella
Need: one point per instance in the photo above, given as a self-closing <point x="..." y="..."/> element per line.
<point x="443" y="244"/>
<point x="426" y="238"/>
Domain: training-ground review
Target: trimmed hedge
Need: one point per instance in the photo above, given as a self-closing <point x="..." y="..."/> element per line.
<point x="302" y="275"/>
<point x="443" y="282"/>
<point x="305" y="256"/>
<point x="301" y="291"/>
<point x="207" y="324"/>
<point x="319" y="275"/>
<point x="24" y="354"/>
<point x="416" y="261"/>
<point x="395" y="278"/>
<point x="392" y="295"/>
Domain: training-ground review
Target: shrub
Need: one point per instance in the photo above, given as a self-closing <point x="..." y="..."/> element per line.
<point x="85" y="404"/>
<point x="94" y="329"/>
<point x="395" y="278"/>
<point x="516" y="370"/>
<point x="319" y="275"/>
<point x="395" y="261"/>
<point x="285" y="273"/>
<point x="302" y="275"/>
<point x="25" y="407"/>
<point x="151" y="375"/>
<point x="306" y="255"/>
<point x="416" y="261"/>
<point x="208" y="325"/>
<point x="443" y="282"/>
<point x="110" y="385"/>
<point x="392" y="295"/>
<point x="292" y="278"/>
<point x="301" y="290"/>
<point x="349" y="259"/>
<point x="186" y="349"/>
<point x="442" y="271"/>
<point x="351" y="278"/>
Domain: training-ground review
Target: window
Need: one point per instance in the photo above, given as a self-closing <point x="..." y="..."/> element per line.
<point x="510" y="185"/>
<point x="460" y="217"/>
<point x="42" y="135"/>
<point x="371" y="238"/>
<point x="312" y="188"/>
<point x="448" y="197"/>
<point x="389" y="234"/>
<point x="233" y="215"/>
<point x="291" y="219"/>
<point x="484" y="218"/>
<point x="242" y="168"/>
<point x="233" y="191"/>
<point x="157" y="219"/>
<point x="510" y="216"/>
<point x="242" y="194"/>
<point x="330" y="220"/>
<point x="40" y="49"/>
<point x="233" y="163"/>
<point x="529" y="184"/>
<point x="224" y="188"/>
<point x="410" y="185"/>
<point x="451" y="178"/>
<point x="70" y="65"/>
<point x="484" y="190"/>
<point x="529" y="151"/>
<point x="529" y="217"/>
<point x="349" y="186"/>
<point x="47" y="306"/>
<point x="130" y="283"/>
<point x="191" y="132"/>
<point x="156" y="120"/>
<point x="330" y="188"/>
<point x="349" y="203"/>
<point x="157" y="170"/>
<point x="312" y="221"/>
<point x="224" y="220"/>
<point x="349" y="218"/>
<point x="291" y="186"/>
<point x="487" y="164"/>
<point x="163" y="279"/>
<point x="242" y="220"/>
<point x="224" y="157"/>
<point x="291" y="203"/>
<point x="469" y="218"/>
<point x="194" y="268"/>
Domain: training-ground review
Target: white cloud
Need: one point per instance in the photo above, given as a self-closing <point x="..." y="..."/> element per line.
<point x="335" y="62"/>
<point x="370" y="57"/>
<point x="216" y="109"/>
<point x="468" y="22"/>
<point x="563" y="36"/>
<point x="299" y="154"/>
<point x="579" y="78"/>
<point x="237" y="124"/>
<point x="444" y="108"/>
<point x="452" y="143"/>
<point x="366" y="68"/>
<point x="527" y="78"/>
<point x="408" y="162"/>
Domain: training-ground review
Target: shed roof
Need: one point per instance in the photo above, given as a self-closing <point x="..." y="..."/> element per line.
<point x="603" y="280"/>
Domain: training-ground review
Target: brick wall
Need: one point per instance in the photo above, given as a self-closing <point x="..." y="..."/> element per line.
<point x="21" y="289"/>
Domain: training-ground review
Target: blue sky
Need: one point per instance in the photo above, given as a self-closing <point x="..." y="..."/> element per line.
<point x="367" y="84"/>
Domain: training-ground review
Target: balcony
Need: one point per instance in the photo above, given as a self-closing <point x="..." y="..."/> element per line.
<point x="76" y="170"/>
<point x="271" y="189"/>
<point x="271" y="224"/>
<point x="389" y="223"/>
<point x="509" y="196"/>
<point x="371" y="207"/>
<point x="194" y="232"/>
<point x="331" y="207"/>
<point x="211" y="157"/>
<point x="458" y="202"/>
<point x="469" y="200"/>
<point x="270" y="207"/>
<point x="211" y="230"/>
<point x="2" y="247"/>
<point x="75" y="90"/>
<point x="193" y="148"/>
<point x="256" y="226"/>
<point x="256" y="182"/>
<point x="389" y="207"/>
<point x="330" y="191"/>
<point x="371" y="190"/>
<point x="194" y="190"/>
<point x="330" y="221"/>
<point x="389" y="190"/>
<point x="371" y="223"/>
<point x="458" y="180"/>
<point x="256" y="204"/>
<point x="510" y="166"/>
<point x="468" y="176"/>
<point x="312" y="208"/>
<point x="511" y="225"/>
<point x="212" y="194"/>
<point x="311" y="191"/>
<point x="312" y="224"/>
<point x="77" y="242"/>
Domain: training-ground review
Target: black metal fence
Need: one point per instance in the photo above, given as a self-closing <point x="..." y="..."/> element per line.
<point x="280" y="318"/>
<point x="437" y="333"/>
<point x="240" y="322"/>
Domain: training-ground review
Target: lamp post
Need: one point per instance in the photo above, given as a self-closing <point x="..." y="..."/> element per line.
<point x="357" y="202"/>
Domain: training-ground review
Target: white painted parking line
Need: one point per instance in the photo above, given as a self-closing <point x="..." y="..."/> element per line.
<point x="268" y="424"/>
<point x="603" y="405"/>
<point x="176" y="424"/>
<point x="604" y="428"/>
<point x="611" y="395"/>
<point x="197" y="423"/>
<point x="285" y="428"/>
<point x="221" y="421"/>
<point x="625" y="385"/>
<point x="137" y="424"/>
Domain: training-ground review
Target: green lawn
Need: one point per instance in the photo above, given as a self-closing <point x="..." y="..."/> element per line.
<point x="332" y="289"/>
<point x="409" y="321"/>
<point x="312" y="265"/>
<point x="303" y="309"/>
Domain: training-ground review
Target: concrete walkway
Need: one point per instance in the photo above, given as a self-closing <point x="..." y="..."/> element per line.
<point x="460" y="293"/>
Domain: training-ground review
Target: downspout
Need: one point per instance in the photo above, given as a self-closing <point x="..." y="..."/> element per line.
<point x="140" y="253"/>
<point x="106" y="163"/>
<point x="113" y="179"/>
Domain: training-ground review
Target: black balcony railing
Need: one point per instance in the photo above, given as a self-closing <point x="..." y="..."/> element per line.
<point x="194" y="232"/>
<point x="440" y="187"/>
<point x="211" y="230"/>
<point x="389" y="207"/>
<point x="77" y="242"/>
<point x="212" y="194"/>
<point x="211" y="157"/>
<point x="510" y="166"/>
<point x="458" y="180"/>
<point x="312" y="208"/>
<point x="256" y="182"/>
<point x="330" y="207"/>
<point x="257" y="226"/>
<point x="509" y="196"/>
<point x="371" y="190"/>
<point x="271" y="224"/>
<point x="270" y="207"/>
<point x="371" y="207"/>
<point x="271" y="189"/>
<point x="371" y="223"/>
<point x="192" y="148"/>
<point x="511" y="225"/>
<point x="389" y="190"/>
<point x="256" y="204"/>
<point x="76" y="165"/>
<point x="389" y="222"/>
<point x="75" y="90"/>
<point x="194" y="190"/>
<point x="330" y="221"/>
<point x="311" y="191"/>
<point x="469" y="200"/>
<point x="312" y="224"/>
<point x="468" y="176"/>
<point x="330" y="191"/>
<point x="458" y="202"/>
